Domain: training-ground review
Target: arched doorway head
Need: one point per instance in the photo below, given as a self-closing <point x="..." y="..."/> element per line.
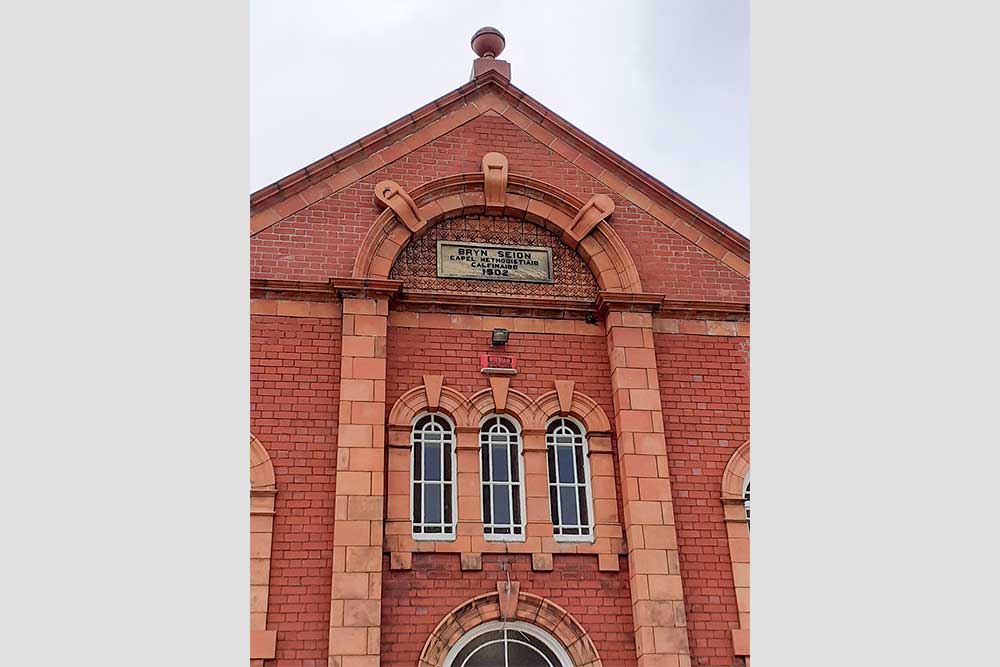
<point x="547" y="620"/>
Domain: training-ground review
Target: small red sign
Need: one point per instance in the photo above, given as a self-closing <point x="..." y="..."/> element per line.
<point x="498" y="363"/>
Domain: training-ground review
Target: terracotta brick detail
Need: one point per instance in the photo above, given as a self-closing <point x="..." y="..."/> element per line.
<point x="499" y="387"/>
<point x="495" y="180"/>
<point x="521" y="606"/>
<point x="645" y="484"/>
<point x="262" y="493"/>
<point x="738" y="534"/>
<point x="472" y="561"/>
<point x="466" y="413"/>
<point x="432" y="385"/>
<point x="358" y="525"/>
<point x="542" y="562"/>
<point x="602" y="249"/>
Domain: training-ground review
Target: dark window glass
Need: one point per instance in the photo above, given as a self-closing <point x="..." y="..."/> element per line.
<point x="500" y="453"/>
<point x="432" y="469"/>
<point x="569" y="499"/>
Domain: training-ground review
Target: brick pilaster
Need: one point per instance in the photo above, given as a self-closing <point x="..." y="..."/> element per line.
<point x="654" y="571"/>
<point x="356" y="594"/>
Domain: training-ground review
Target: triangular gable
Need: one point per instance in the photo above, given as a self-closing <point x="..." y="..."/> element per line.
<point x="492" y="94"/>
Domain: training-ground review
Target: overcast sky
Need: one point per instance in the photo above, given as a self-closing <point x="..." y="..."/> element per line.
<point x="663" y="83"/>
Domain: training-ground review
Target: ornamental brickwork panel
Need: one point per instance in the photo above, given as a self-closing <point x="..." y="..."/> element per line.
<point x="417" y="264"/>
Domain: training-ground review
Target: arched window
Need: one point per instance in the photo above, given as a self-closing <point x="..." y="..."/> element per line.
<point x="501" y="474"/>
<point x="746" y="495"/>
<point x="432" y="466"/>
<point x="569" y="480"/>
<point x="513" y="644"/>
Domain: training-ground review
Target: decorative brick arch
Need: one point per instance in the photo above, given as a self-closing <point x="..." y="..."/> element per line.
<point x="261" y="468"/>
<point x="448" y="401"/>
<point x="262" y="492"/>
<point x="736" y="473"/>
<point x="738" y="531"/>
<point x="513" y="403"/>
<point x="578" y="405"/>
<point x="529" y="608"/>
<point x="581" y="225"/>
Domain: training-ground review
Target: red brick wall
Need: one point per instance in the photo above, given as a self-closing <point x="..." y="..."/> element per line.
<point x="414" y="601"/>
<point x="541" y="359"/>
<point x="321" y="241"/>
<point x="705" y="390"/>
<point x="294" y="394"/>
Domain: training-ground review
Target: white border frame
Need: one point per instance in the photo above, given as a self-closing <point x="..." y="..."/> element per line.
<point x="440" y="537"/>
<point x="521" y="481"/>
<point x="520" y="626"/>
<point x="589" y="539"/>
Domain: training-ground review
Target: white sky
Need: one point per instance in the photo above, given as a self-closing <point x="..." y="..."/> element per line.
<point x="665" y="83"/>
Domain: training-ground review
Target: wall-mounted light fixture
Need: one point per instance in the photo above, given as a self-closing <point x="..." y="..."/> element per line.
<point x="500" y="337"/>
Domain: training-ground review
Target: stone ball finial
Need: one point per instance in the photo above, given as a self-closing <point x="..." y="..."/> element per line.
<point x="488" y="42"/>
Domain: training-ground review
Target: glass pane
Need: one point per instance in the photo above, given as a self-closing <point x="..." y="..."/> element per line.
<point x="472" y="646"/>
<point x="432" y="462"/>
<point x="567" y="496"/>
<point x="554" y="508"/>
<point x="432" y="503"/>
<point x="418" y="460"/>
<point x="519" y="655"/>
<point x="501" y="505"/>
<point x="516" y="493"/>
<point x="490" y="655"/>
<point x="515" y="468"/>
<point x="417" y="502"/>
<point x="584" y="514"/>
<point x="447" y="461"/>
<point x="538" y="644"/>
<point x="447" y="504"/>
<point x="499" y="456"/>
<point x="487" y="512"/>
<point x="566" y="465"/>
<point x="580" y="477"/>
<point x="484" y="453"/>
<point x="551" y="453"/>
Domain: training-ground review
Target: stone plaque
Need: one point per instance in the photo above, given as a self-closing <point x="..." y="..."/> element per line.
<point x="483" y="261"/>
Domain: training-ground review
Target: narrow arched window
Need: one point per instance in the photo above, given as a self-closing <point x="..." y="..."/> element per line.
<point x="501" y="474"/>
<point x="746" y="495"/>
<point x="432" y="466"/>
<point x="569" y="480"/>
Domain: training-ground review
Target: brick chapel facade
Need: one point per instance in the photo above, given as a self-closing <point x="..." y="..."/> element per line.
<point x="499" y="402"/>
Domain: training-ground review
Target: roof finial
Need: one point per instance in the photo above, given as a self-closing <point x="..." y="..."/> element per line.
<point x="488" y="43"/>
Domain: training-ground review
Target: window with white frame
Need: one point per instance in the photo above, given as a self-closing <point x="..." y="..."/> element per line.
<point x="569" y="480"/>
<point x="501" y="474"/>
<point x="432" y="467"/>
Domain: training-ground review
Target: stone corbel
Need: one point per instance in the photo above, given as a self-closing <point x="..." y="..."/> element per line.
<point x="590" y="214"/>
<point x="495" y="180"/>
<point x="391" y="194"/>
